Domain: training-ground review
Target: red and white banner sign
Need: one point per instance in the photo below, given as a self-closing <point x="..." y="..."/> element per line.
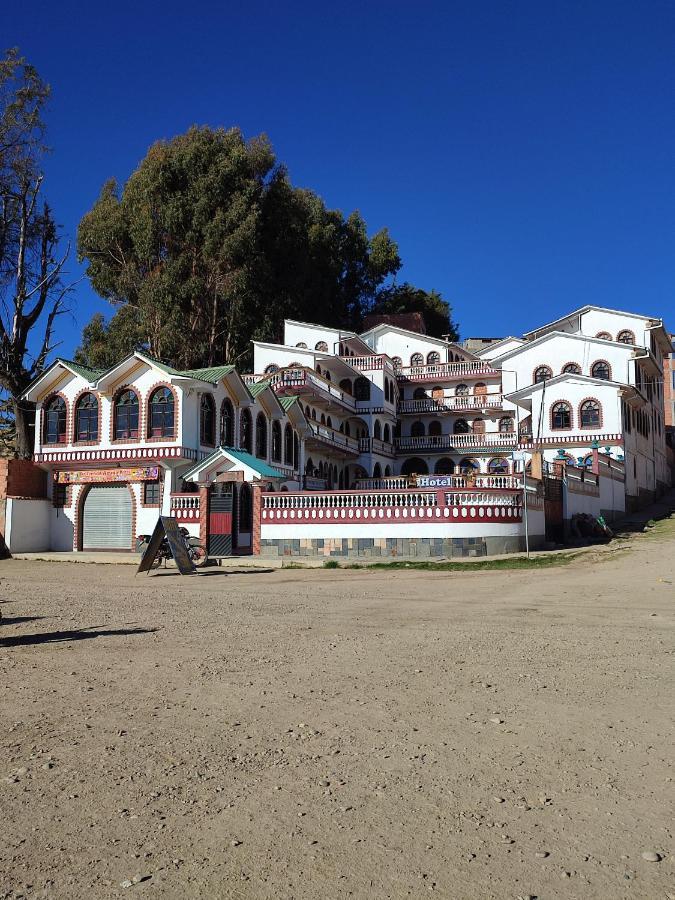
<point x="102" y="476"/>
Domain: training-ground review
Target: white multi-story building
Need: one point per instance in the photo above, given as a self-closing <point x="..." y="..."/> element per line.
<point x="329" y="409"/>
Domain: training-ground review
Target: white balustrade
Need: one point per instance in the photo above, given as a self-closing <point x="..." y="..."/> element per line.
<point x="452" y="404"/>
<point x="336" y="438"/>
<point x="459" y="441"/>
<point x="184" y="501"/>
<point x="444" y="370"/>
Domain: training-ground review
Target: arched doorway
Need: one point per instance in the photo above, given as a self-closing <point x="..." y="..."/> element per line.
<point x="444" y="466"/>
<point x="414" y="466"/>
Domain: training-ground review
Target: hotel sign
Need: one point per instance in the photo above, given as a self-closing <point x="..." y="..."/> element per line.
<point x="434" y="481"/>
<point x="105" y="476"/>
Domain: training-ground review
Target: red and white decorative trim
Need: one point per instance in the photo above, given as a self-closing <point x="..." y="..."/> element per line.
<point x="115" y="454"/>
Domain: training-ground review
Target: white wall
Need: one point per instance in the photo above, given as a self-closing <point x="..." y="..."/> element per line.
<point x="27" y="525"/>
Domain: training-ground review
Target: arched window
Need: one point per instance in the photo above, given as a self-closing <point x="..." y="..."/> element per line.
<point x="469" y="465"/>
<point x="542" y="373"/>
<point x="55" y="415"/>
<point x="288" y="445"/>
<point x="625" y="337"/>
<point x="346" y="386"/>
<point x="207" y="420"/>
<point x="417" y="359"/>
<point x="261" y="436"/>
<point x="302" y="345"/>
<point x="329" y="422"/>
<point x="435" y="428"/>
<point x="245" y="431"/>
<point x="295" y="365"/>
<point x="480" y="389"/>
<point x="397" y="362"/>
<point x="604" y="336"/>
<point x="387" y="471"/>
<point x="498" y="467"/>
<point x="419" y="394"/>
<point x="276" y="441"/>
<point x="478" y="426"/>
<point x="589" y="414"/>
<point x="226" y="423"/>
<point x="417" y="429"/>
<point x="561" y="416"/>
<point x="433" y="358"/>
<point x="462" y="390"/>
<point x="601" y="369"/>
<point x="386" y="434"/>
<point x="322" y="347"/>
<point x="377" y="471"/>
<point x="271" y="369"/>
<point x="296" y="451"/>
<point x="323" y="418"/>
<point x="506" y="425"/>
<point x="461" y="426"/>
<point x="377" y="430"/>
<point x="161" y="418"/>
<point x="86" y="418"/>
<point x="571" y="369"/>
<point x="362" y="388"/>
<point x="444" y="466"/>
<point x="125" y="416"/>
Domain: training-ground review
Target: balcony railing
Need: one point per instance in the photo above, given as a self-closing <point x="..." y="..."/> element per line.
<point x="440" y="371"/>
<point x="451" y="482"/>
<point x="452" y="404"/>
<point x="322" y="505"/>
<point x="305" y="381"/>
<point x="433" y="442"/>
<point x="334" y="438"/>
<point x="185" y="507"/>
<point x="375" y="445"/>
<point x="367" y="363"/>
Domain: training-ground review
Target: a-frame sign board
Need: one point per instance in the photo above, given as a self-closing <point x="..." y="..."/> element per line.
<point x="167" y="527"/>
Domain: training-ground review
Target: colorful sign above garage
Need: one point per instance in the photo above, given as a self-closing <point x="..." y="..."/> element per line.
<point x="105" y="476"/>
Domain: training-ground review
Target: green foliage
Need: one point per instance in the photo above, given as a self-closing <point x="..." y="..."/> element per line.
<point x="331" y="564"/>
<point x="210" y="245"/>
<point x="404" y="298"/>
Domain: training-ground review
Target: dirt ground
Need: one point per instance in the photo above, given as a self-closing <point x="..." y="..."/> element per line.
<point x="328" y="734"/>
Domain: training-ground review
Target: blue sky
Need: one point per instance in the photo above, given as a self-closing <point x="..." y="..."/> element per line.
<point x="522" y="154"/>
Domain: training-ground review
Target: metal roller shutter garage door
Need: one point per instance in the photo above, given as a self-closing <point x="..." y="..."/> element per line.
<point x="107" y="519"/>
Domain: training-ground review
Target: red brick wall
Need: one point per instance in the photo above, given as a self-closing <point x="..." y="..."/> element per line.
<point x="22" y="478"/>
<point x="255" y="524"/>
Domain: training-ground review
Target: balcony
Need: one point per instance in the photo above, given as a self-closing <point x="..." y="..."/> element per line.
<point x="324" y="437"/>
<point x="445" y="371"/>
<point x="306" y="383"/>
<point x="450" y="482"/>
<point x="452" y="404"/>
<point x="375" y="445"/>
<point x="491" y="440"/>
<point x="185" y="507"/>
<point x="368" y="363"/>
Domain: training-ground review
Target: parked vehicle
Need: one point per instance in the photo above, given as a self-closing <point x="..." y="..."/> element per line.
<point x="196" y="551"/>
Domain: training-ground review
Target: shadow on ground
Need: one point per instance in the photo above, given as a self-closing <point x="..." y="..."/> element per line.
<point x="79" y="634"/>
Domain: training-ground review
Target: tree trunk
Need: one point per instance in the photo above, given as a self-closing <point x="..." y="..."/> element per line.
<point x="24" y="418"/>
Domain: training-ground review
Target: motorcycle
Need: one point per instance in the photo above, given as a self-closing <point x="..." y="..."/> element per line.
<point x="195" y="550"/>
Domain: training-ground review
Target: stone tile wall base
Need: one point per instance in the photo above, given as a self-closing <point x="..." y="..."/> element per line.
<point x="390" y="548"/>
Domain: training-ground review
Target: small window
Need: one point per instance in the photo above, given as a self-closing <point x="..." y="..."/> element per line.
<point x="362" y="389"/>
<point x="469" y="465"/>
<point x="288" y="445"/>
<point x="561" y="416"/>
<point x="506" y="425"/>
<point x="600" y="369"/>
<point x="261" y="436"/>
<point x="322" y="347"/>
<point x="276" y="441"/>
<point x="245" y="431"/>
<point x="226" y="423"/>
<point x="419" y="394"/>
<point x="435" y="428"/>
<point x="151" y="493"/>
<point x="604" y="336"/>
<point x="462" y="390"/>
<point x="207" y="420"/>
<point x="271" y="369"/>
<point x="59" y="495"/>
<point x="301" y="345"/>
<point x="417" y="359"/>
<point x="589" y="413"/>
<point x="461" y="426"/>
<point x="55" y="421"/>
<point x="433" y="358"/>
<point x="478" y="426"/>
<point x="397" y="362"/>
<point x="625" y="337"/>
<point x="542" y="373"/>
<point x="417" y="429"/>
<point x="572" y="369"/>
